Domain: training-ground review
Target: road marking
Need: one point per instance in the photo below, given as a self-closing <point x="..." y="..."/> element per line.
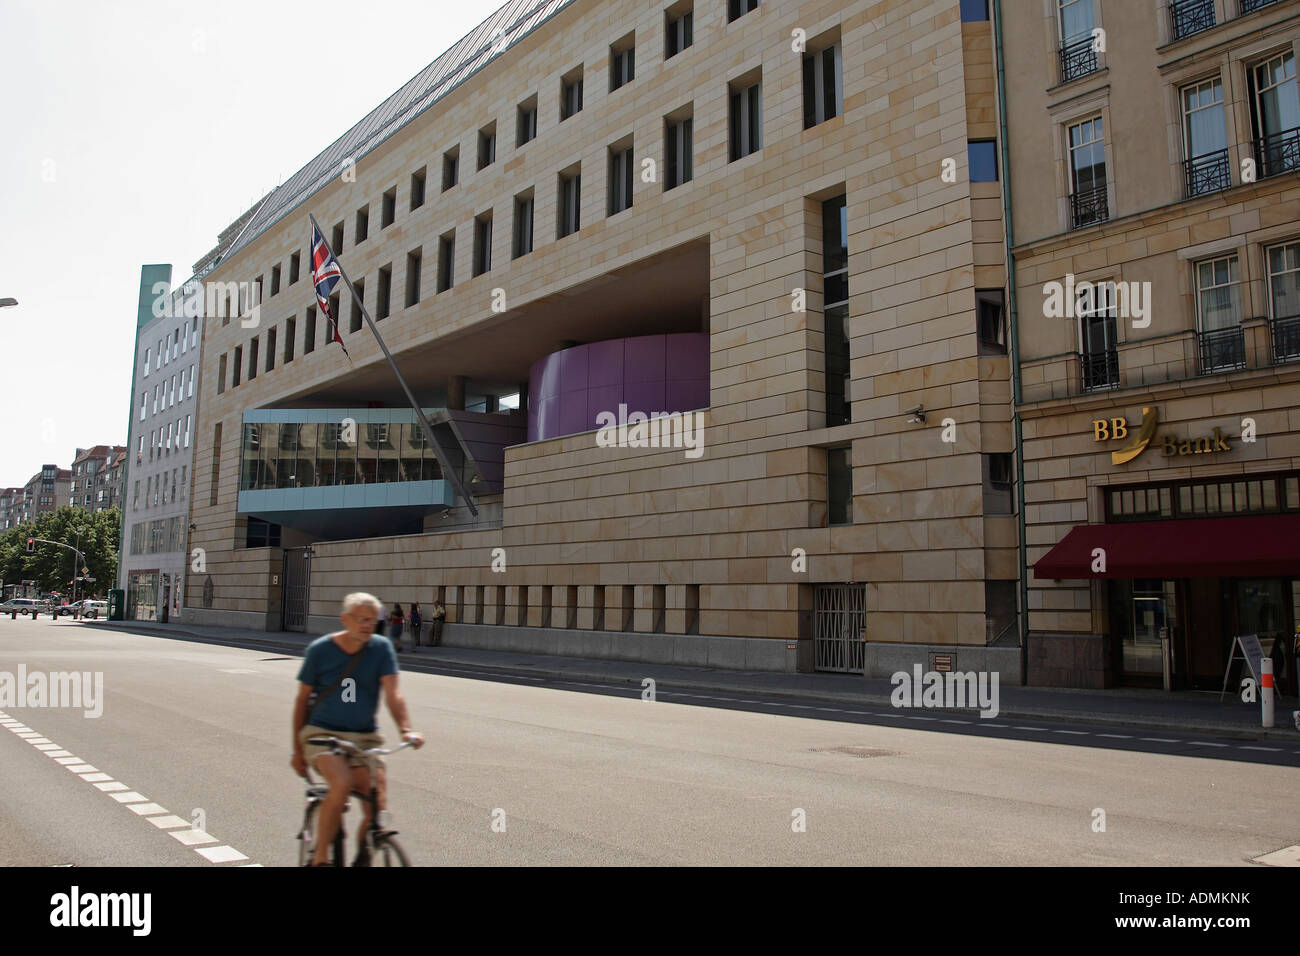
<point x="129" y="797"/>
<point x="82" y="768"/>
<point x="30" y="733"/>
<point x="47" y="746"/>
<point x="110" y="787"/>
<point x="192" y="837"/>
<point x="222" y="854"/>
<point x="949" y="720"/>
<point x="58" y="753"/>
<point x="1287" y="856"/>
<point x="1117" y="736"/>
<point x="1077" y="733"/>
<point x="38" y="740"/>
<point x="96" y="777"/>
<point x="1204" y="743"/>
<point x="1160" y="740"/>
<point x="169" y="822"/>
<point x="144" y="809"/>
<point x="995" y="725"/>
<point x="1270" y="749"/>
<point x="1024" y="728"/>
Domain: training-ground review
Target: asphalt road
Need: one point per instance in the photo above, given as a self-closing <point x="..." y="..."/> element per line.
<point x="583" y="773"/>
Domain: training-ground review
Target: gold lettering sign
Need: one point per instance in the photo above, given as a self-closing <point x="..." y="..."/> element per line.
<point x="1171" y="446"/>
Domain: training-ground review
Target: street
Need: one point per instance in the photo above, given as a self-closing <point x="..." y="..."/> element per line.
<point x="517" y="772"/>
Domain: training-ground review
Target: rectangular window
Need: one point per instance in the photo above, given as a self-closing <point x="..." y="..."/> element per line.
<point x="384" y="293"/>
<point x="1275" y="115"/>
<point x="417" y="187"/>
<point x="571" y="94"/>
<point x="999" y="480"/>
<point x="450" y="168"/>
<point x="1098" y="336"/>
<point x="446" y="261"/>
<point x="839" y="486"/>
<point x="290" y="336"/>
<point x="621" y="64"/>
<point x="1078" y="48"/>
<point x="1205" y="138"/>
<point x="678" y="147"/>
<point x="738" y="8"/>
<point x="526" y="122"/>
<point x="144" y="404"/>
<point x="620" y="179"/>
<point x="189" y="421"/>
<point x="253" y="347"/>
<point x="356" y="305"/>
<point x="1088" y="172"/>
<point x="990" y="320"/>
<point x="216" y="464"/>
<point x="487" y="146"/>
<point x="835" y="310"/>
<point x="746" y="120"/>
<point x="823" y="88"/>
<point x="362" y="231"/>
<point x="1219" y="314"/>
<point x="388" y="212"/>
<point x="239" y="365"/>
<point x="412" y="278"/>
<point x="275" y="280"/>
<point x="295" y="262"/>
<point x="974" y="11"/>
<point x="570" y="198"/>
<point x="482" y="244"/>
<point x="309" y="332"/>
<point x="679" y="33"/>
<point x="189" y="391"/>
<point x="221" y="373"/>
<point x="523" y="241"/>
<point x="982" y="155"/>
<point x="336" y="241"/>
<point x="1283" y="263"/>
<point x="270" y="349"/>
<point x="146" y="363"/>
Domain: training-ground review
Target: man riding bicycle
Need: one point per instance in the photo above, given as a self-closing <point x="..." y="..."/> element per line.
<point x="348" y="669"/>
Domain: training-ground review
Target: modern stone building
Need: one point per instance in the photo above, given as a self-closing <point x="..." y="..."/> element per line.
<point x="1157" y="171"/>
<point x="784" y="219"/>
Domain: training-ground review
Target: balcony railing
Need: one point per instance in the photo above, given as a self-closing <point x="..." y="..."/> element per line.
<point x="1099" y="369"/>
<point x="1278" y="153"/>
<point x="1222" y="349"/>
<point x="1088" y="206"/>
<point x="1191" y="16"/>
<point x="1250" y="6"/>
<point x="1078" y="59"/>
<point x="1207" y="174"/>
<point x="1285" y="333"/>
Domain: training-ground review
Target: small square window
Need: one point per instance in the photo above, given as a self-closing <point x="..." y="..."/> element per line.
<point x="974" y="11"/>
<point x="983" y="157"/>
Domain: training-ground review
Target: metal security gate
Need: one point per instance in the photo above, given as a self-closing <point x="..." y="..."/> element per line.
<point x="297" y="588"/>
<point x="839" y="625"/>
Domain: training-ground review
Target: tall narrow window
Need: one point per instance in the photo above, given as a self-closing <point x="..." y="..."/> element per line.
<point x="270" y="349"/>
<point x="1205" y="138"/>
<point x="570" y="201"/>
<point x="221" y="373"/>
<point x="839" y="486"/>
<point x="526" y="122"/>
<point x="1088" y="203"/>
<point x="835" y="310"/>
<point x="355" y="325"/>
<point x="417" y="187"/>
<point x="482" y="244"/>
<point x="413" y="261"/>
<point x="746" y="120"/>
<point x="295" y="265"/>
<point x="487" y="146"/>
<point x="991" y="322"/>
<point x="1078" y="48"/>
<point x="738" y="8"/>
<point x="1275" y="115"/>
<point x="1218" y="314"/>
<point x="290" y="334"/>
<point x="275" y="280"/>
<point x="336" y="240"/>
<point x="238" y="366"/>
<point x="571" y="94"/>
<point x="388" y="208"/>
<point x="309" y="332"/>
<point x="384" y="292"/>
<point x="823" y="89"/>
<point x="446" y="261"/>
<point x="1284" y="300"/>
<point x="450" y="168"/>
<point x="1098" y="336"/>
<point x="680" y="31"/>
<point x="678" y="146"/>
<point x="362" y="231"/>
<point x="621" y="63"/>
<point x="253" y="347"/>
<point x="523" y="243"/>
<point x="620" y="179"/>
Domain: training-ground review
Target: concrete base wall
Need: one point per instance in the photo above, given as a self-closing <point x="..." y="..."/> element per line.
<point x="884" y="660"/>
<point x="213" y="617"/>
<point x="1068" y="660"/>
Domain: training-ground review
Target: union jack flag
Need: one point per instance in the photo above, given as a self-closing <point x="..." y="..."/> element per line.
<point x="325" y="275"/>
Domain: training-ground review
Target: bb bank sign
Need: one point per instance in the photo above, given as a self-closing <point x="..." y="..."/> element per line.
<point x="1138" y="438"/>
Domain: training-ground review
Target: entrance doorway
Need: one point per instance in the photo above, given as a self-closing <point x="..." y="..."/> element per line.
<point x="839" y="619"/>
<point x="297" y="588"/>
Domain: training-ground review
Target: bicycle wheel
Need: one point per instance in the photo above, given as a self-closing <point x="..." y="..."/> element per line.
<point x="388" y="852"/>
<point x="307" y="839"/>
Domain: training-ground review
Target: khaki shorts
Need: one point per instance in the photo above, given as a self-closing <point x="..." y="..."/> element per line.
<point x="362" y="740"/>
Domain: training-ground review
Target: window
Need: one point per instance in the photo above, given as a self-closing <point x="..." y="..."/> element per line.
<point x="835" y="310"/>
<point x="189" y="391"/>
<point x="1218" y="314"/>
<point x="216" y="464"/>
<point x="570" y="196"/>
<point x="362" y="230"/>
<point x="1191" y="16"/>
<point x="417" y="187"/>
<point x="239" y="363"/>
<point x="982" y="154"/>
<point x="388" y="208"/>
<point x="620" y="179"/>
<point x="270" y="349"/>
<point x="275" y="280"/>
<point x="991" y="322"/>
<point x="738" y="8"/>
<point x="290" y="335"/>
<point x="194" y="331"/>
<point x="1275" y="115"/>
<point x="1088" y="173"/>
<point x="221" y="373"/>
<point x="999" y="479"/>
<point x="384" y="292"/>
<point x="678" y="147"/>
<point x="309" y="332"/>
<point x="295" y="262"/>
<point x="482" y="244"/>
<point x="450" y="168"/>
<point x="622" y="63"/>
<point x="746" y="120"/>
<point x="1205" y="138"/>
<point x="571" y="94"/>
<point x="680" y="29"/>
<point x="974" y="11"/>
<point x="336" y="242"/>
<point x="253" y="347"/>
<point x="1098" y="336"/>
<point x="146" y="363"/>
<point x="526" y="122"/>
<point x="823" y="89"/>
<point x="1283" y="264"/>
<point x="1078" y="52"/>
<point x="523" y="240"/>
<point x="839" y="486"/>
<point x="487" y="146"/>
<point x="144" y="404"/>
<point x="189" y="420"/>
<point x="413" y="278"/>
<point x="446" y="261"/>
<point x="360" y="285"/>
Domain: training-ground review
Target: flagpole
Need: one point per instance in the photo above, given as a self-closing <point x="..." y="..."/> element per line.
<point x="448" y="472"/>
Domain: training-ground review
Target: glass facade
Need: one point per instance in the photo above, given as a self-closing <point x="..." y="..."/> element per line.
<point x="283" y="455"/>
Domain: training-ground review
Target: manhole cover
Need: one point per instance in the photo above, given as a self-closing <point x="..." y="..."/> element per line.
<point x="851" y="751"/>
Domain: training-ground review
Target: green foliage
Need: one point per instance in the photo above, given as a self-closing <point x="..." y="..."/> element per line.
<point x="98" y="535"/>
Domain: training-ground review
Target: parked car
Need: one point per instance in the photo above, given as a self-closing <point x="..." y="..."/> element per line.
<point x="23" y="606"/>
<point x="67" y="610"/>
<point x="94" y="609"/>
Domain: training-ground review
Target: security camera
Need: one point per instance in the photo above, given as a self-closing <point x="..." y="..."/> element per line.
<point x="915" y="409"/>
<point x="918" y="415"/>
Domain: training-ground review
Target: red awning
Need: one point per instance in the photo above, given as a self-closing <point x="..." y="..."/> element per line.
<point x="1248" y="547"/>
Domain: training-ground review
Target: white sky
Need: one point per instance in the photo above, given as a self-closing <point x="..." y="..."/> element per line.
<point x="133" y="133"/>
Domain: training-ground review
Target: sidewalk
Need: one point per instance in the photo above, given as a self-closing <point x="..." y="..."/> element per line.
<point x="1186" y="711"/>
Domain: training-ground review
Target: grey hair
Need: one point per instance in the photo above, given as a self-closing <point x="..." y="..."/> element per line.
<point x="357" y="598"/>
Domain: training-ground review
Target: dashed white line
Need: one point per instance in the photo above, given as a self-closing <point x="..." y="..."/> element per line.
<point x="111" y="787"/>
<point x="1205" y="743"/>
<point x="1269" y="749"/>
<point x="129" y="797"/>
<point x="143" y="809"/>
<point x="222" y="854"/>
<point x="1160" y="740"/>
<point x="95" y="777"/>
<point x="1117" y="736"/>
<point x="169" y="822"/>
<point x="1076" y="733"/>
<point x="192" y="837"/>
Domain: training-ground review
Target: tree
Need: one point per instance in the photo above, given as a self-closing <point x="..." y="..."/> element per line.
<point x="97" y="534"/>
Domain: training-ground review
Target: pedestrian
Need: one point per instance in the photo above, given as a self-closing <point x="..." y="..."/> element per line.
<point x="417" y="621"/>
<point x="383" y="619"/>
<point x="437" y="617"/>
<point x="395" y="622"/>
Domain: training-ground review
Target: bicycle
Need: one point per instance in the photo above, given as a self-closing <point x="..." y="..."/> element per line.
<point x="381" y="849"/>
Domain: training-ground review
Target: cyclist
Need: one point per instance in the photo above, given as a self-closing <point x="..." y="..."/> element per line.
<point x="347" y="710"/>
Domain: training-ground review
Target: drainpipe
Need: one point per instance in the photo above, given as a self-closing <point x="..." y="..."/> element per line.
<point x="1013" y="316"/>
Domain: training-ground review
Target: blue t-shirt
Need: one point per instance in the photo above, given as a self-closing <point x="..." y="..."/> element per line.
<point x="323" y="665"/>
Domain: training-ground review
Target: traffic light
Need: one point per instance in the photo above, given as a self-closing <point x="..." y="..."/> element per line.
<point x="31" y="545"/>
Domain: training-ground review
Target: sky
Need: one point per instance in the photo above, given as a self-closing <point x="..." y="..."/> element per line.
<point x="133" y="133"/>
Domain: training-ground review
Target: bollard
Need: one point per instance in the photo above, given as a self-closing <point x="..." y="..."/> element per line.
<point x="1266" y="690"/>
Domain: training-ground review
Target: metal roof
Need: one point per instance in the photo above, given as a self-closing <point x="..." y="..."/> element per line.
<point x="516" y="20"/>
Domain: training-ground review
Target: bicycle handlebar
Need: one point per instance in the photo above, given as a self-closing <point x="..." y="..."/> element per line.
<point x="348" y="747"/>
